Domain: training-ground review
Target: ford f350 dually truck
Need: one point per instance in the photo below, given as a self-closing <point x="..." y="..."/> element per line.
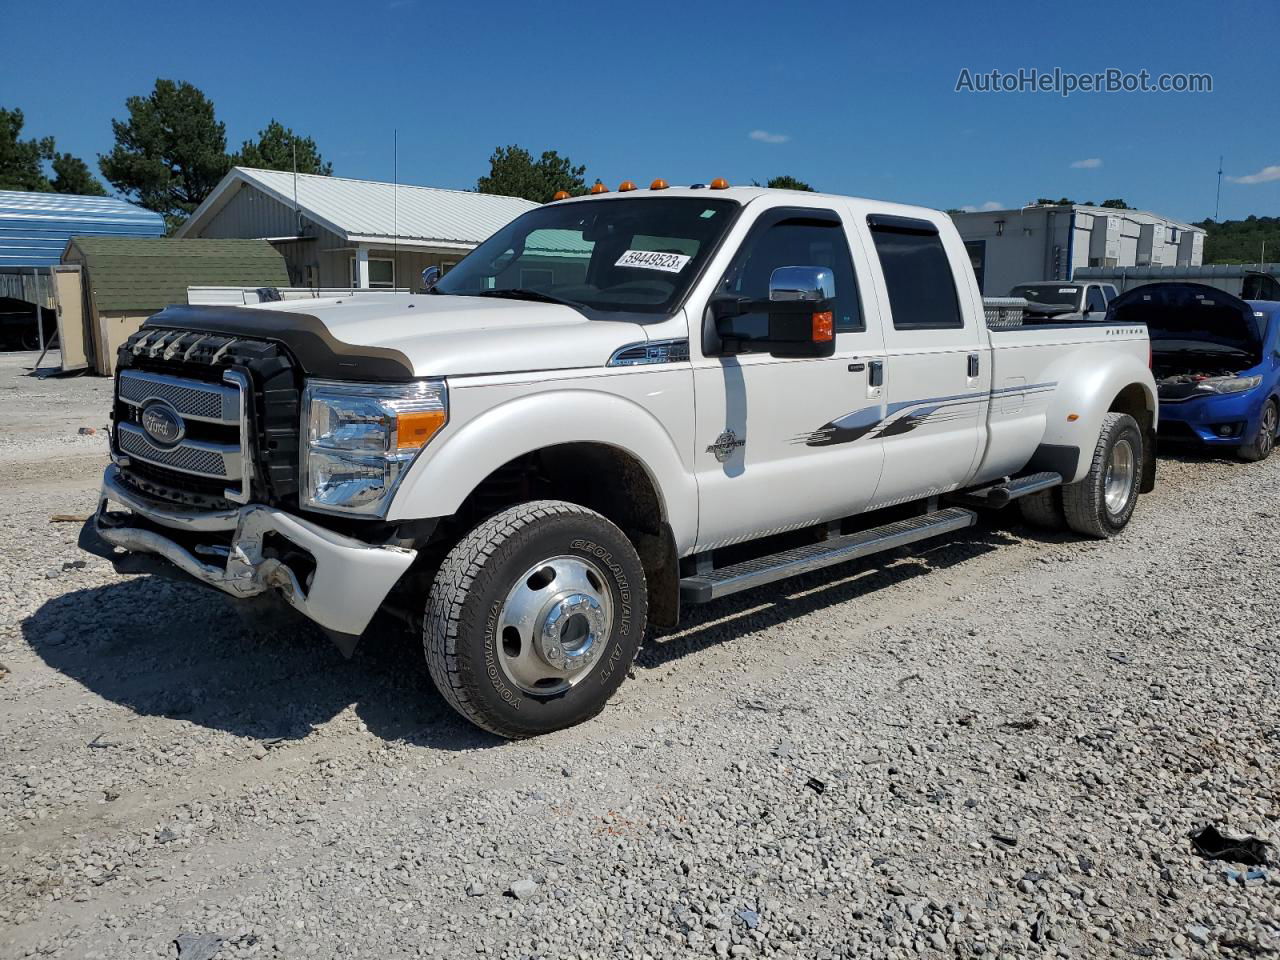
<point x="618" y="405"/>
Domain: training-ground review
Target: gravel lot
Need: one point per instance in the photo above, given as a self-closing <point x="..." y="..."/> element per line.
<point x="993" y="747"/>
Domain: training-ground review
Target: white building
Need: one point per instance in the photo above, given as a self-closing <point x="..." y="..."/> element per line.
<point x="336" y="232"/>
<point x="1009" y="247"/>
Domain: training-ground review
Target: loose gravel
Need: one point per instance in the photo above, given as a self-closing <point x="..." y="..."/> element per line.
<point x="995" y="746"/>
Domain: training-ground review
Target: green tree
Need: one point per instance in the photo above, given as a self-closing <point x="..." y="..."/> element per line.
<point x="514" y="173"/>
<point x="1046" y="202"/>
<point x="788" y="183"/>
<point x="170" y="153"/>
<point x="72" y="175"/>
<point x="1116" y="204"/>
<point x="22" y="161"/>
<point x="274" y="150"/>
<point x="1242" y="241"/>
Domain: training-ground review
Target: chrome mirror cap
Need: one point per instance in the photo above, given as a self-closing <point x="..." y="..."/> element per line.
<point x="802" y="283"/>
<point x="430" y="276"/>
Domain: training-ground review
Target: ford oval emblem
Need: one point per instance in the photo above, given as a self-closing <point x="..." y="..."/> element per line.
<point x="163" y="423"/>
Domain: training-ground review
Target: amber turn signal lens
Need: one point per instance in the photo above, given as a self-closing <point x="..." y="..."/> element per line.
<point x="626" y="185"/>
<point x="414" y="429"/>
<point x="658" y="184"/>
<point x="719" y="183"/>
<point x="560" y="195"/>
<point x="824" y="327"/>
<point x="599" y="187"/>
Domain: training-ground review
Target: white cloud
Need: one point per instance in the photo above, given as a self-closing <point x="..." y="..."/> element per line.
<point x="1265" y="175"/>
<point x="1092" y="163"/>
<point x="985" y="208"/>
<point x="764" y="136"/>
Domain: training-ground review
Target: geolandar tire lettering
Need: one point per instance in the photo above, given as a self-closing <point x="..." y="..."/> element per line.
<point x="534" y="618"/>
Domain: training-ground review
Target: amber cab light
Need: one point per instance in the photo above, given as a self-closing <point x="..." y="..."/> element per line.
<point x="560" y="195"/>
<point x="626" y="185"/>
<point x="719" y="183"/>
<point x="599" y="187"/>
<point x="658" y="184"/>
<point x="824" y="327"/>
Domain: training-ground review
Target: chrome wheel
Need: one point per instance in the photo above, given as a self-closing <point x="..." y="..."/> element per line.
<point x="554" y="625"/>
<point x="1117" y="484"/>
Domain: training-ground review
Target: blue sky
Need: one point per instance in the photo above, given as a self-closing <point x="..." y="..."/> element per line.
<point x="853" y="97"/>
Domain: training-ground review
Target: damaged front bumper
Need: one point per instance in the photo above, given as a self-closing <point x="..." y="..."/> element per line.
<point x="340" y="582"/>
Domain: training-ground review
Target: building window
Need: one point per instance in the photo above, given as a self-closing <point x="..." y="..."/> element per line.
<point x="1173" y="235"/>
<point x="382" y="273"/>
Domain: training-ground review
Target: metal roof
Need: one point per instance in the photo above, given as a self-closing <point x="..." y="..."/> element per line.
<point x="35" y="227"/>
<point x="146" y="273"/>
<point x="371" y="211"/>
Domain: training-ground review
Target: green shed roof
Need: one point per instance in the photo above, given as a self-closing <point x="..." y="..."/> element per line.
<point x="148" y="273"/>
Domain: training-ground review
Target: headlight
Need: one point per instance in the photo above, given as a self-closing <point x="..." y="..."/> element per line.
<point x="359" y="438"/>
<point x="1228" y="384"/>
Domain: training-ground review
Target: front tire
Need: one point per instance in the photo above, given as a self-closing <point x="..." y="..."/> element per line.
<point x="535" y="618"/>
<point x="1101" y="504"/>
<point x="1265" y="443"/>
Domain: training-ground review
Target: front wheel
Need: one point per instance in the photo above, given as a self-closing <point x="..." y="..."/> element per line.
<point x="534" y="618"/>
<point x="1101" y="504"/>
<point x="1265" y="443"/>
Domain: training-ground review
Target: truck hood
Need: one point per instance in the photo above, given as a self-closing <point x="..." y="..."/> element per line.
<point x="394" y="336"/>
<point x="1192" y="320"/>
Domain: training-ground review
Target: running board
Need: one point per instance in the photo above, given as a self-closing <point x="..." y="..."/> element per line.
<point x="1002" y="494"/>
<point x="713" y="584"/>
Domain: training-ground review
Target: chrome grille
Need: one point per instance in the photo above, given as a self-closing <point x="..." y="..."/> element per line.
<point x="218" y="460"/>
<point x="211" y="402"/>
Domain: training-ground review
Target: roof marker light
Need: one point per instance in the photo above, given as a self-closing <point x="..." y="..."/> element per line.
<point x="658" y="184"/>
<point x="560" y="195"/>
<point x="719" y="183"/>
<point x="599" y="187"/>
<point x="626" y="185"/>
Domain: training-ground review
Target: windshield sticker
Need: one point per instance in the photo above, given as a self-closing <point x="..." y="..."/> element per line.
<point x="653" y="260"/>
<point x="1066" y="289"/>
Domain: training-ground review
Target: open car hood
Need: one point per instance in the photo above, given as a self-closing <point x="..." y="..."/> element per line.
<point x="1180" y="316"/>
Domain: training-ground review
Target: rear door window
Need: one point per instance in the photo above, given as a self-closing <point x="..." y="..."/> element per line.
<point x="917" y="274"/>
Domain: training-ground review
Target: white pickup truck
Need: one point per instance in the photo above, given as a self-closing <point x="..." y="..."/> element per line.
<point x="617" y="405"/>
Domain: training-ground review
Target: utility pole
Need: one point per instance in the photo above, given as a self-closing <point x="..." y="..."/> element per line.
<point x="1217" y="202"/>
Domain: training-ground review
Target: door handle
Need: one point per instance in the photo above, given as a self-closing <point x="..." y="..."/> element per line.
<point x="875" y="377"/>
<point x="974" y="361"/>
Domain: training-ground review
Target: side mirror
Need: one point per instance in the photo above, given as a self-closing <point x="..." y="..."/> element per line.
<point x="806" y="284"/>
<point x="430" y="277"/>
<point x="801" y="321"/>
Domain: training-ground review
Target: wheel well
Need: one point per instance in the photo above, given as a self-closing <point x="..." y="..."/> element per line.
<point x="602" y="478"/>
<point x="1133" y="401"/>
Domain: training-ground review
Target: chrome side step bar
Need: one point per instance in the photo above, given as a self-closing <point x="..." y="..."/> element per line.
<point x="710" y="585"/>
<point x="1002" y="494"/>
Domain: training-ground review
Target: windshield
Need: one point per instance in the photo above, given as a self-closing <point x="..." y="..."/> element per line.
<point x="1047" y="293"/>
<point x="637" y="255"/>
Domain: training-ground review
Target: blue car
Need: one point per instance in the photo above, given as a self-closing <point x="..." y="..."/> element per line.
<point x="1216" y="360"/>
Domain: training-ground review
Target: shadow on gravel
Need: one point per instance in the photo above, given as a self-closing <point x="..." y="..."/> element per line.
<point x="726" y="620"/>
<point x="170" y="649"/>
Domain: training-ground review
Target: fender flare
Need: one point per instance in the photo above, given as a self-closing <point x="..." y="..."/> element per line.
<point x="1089" y="380"/>
<point x="448" y="470"/>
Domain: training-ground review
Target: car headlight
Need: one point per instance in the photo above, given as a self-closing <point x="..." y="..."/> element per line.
<point x="358" y="439"/>
<point x="1228" y="384"/>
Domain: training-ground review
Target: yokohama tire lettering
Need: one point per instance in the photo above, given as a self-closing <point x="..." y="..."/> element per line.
<point x="491" y="661"/>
